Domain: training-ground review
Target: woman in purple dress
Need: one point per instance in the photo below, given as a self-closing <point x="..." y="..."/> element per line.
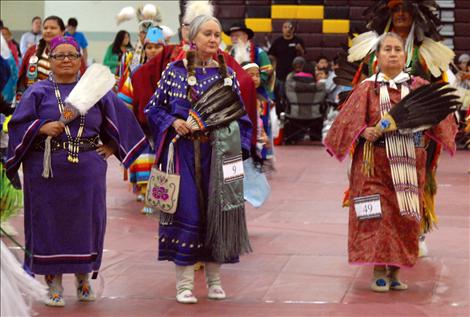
<point x="182" y="236"/>
<point x="65" y="215"/>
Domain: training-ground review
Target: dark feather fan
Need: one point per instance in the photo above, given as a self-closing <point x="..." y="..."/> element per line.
<point x="217" y="107"/>
<point x="424" y="13"/>
<point x="347" y="71"/>
<point x="343" y="96"/>
<point x="421" y="109"/>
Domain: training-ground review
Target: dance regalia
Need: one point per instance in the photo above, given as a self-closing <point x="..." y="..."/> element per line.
<point x="139" y="171"/>
<point x="68" y="236"/>
<point x="144" y="88"/>
<point x="264" y="108"/>
<point x="11" y="195"/>
<point x="426" y="58"/>
<point x="182" y="241"/>
<point x="392" y="239"/>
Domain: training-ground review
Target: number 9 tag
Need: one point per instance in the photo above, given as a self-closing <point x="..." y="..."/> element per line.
<point x="232" y="168"/>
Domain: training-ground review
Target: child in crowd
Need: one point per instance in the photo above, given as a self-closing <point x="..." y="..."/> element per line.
<point x="264" y="146"/>
<point x="139" y="171"/>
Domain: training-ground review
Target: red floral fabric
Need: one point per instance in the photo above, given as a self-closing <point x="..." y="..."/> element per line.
<point x="393" y="238"/>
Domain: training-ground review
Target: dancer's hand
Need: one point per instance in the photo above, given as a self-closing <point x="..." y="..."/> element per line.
<point x="52" y="129"/>
<point x="181" y="127"/>
<point x="371" y="134"/>
<point x="106" y="150"/>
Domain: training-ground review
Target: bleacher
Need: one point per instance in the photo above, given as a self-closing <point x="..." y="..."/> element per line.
<point x="324" y="24"/>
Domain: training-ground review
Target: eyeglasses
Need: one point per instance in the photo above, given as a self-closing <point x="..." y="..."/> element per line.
<point x="61" y="57"/>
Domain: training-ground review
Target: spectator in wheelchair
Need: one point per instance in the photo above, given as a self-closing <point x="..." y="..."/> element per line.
<point x="306" y="103"/>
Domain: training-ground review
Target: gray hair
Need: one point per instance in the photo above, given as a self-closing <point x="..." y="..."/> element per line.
<point x="299" y="60"/>
<point x="196" y="24"/>
<point x="387" y="35"/>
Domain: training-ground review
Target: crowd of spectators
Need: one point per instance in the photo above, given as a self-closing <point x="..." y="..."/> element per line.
<point x="295" y="82"/>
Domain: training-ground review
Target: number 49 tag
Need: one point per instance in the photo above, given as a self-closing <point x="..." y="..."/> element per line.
<point x="368" y="207"/>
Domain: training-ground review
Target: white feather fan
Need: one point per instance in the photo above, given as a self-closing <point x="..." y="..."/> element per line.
<point x="167" y="32"/>
<point x="126" y="14"/>
<point x="17" y="286"/>
<point x="436" y="55"/>
<point x="362" y="45"/>
<point x="93" y="85"/>
<point x="197" y="8"/>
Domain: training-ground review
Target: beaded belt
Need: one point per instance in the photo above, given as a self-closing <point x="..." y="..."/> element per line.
<point x="85" y="144"/>
<point x="418" y="140"/>
<point x="203" y="137"/>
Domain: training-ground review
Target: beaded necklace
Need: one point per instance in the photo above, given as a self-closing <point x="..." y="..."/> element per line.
<point x="67" y="115"/>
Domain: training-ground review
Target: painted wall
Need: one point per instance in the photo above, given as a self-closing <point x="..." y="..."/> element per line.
<point x="17" y="15"/>
<point x="96" y="19"/>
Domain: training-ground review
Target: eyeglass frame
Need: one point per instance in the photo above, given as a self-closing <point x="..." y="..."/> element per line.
<point x="76" y="56"/>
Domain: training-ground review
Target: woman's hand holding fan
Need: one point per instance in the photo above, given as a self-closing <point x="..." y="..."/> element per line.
<point x="216" y="108"/>
<point x="181" y="127"/>
<point x="421" y="109"/>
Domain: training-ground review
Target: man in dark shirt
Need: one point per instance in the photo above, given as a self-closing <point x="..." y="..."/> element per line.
<point x="284" y="49"/>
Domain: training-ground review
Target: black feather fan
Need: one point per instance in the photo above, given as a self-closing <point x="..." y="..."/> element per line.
<point x="217" y="107"/>
<point x="424" y="107"/>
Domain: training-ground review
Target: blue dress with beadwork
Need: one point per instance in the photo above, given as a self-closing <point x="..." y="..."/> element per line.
<point x="182" y="241"/>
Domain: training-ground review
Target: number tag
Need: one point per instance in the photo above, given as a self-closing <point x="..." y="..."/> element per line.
<point x="233" y="169"/>
<point x="368" y="207"/>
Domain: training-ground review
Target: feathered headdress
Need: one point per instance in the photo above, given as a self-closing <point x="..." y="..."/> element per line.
<point x="424" y="32"/>
<point x="197" y="8"/>
<point x="148" y="16"/>
<point x="424" y="13"/>
<point x="126" y="14"/>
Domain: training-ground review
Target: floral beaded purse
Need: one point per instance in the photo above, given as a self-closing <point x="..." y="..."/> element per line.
<point x="163" y="187"/>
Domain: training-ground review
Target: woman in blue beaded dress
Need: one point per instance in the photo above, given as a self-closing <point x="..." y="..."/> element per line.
<point x="182" y="237"/>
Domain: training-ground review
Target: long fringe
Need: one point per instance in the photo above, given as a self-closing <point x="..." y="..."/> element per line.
<point x="401" y="154"/>
<point x="368" y="159"/>
<point x="47" y="161"/>
<point x="227" y="233"/>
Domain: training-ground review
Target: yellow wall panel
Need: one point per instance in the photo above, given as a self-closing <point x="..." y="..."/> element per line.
<point x="335" y="26"/>
<point x="284" y="11"/>
<point x="226" y="39"/>
<point x="309" y="12"/>
<point x="259" y="25"/>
